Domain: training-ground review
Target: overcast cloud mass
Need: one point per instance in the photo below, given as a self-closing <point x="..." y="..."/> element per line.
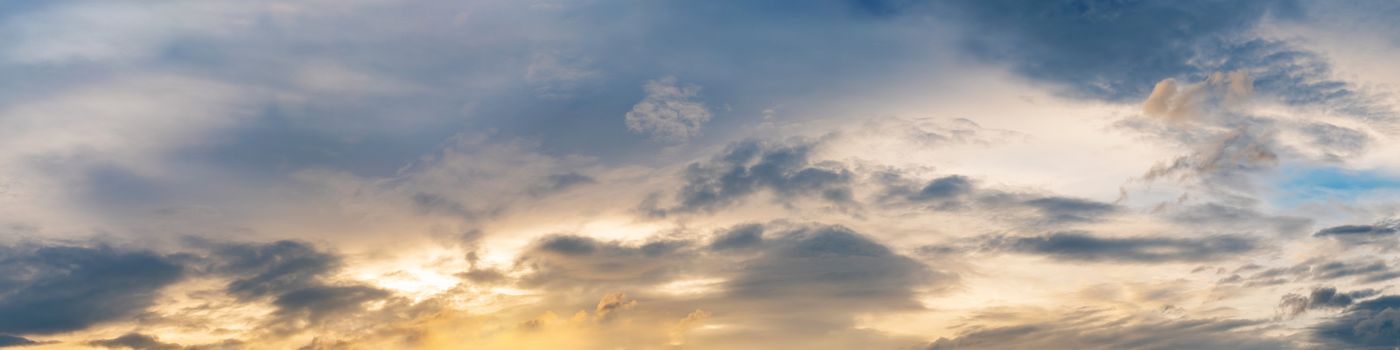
<point x="592" y="174"/>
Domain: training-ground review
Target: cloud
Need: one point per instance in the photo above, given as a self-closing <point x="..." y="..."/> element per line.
<point x="814" y="280"/>
<point x="61" y="288"/>
<point x="1218" y="216"/>
<point x="670" y="111"/>
<point x="1383" y="228"/>
<point x="572" y="261"/>
<point x="11" y="340"/>
<point x="560" y="182"/>
<point x="748" y="167"/>
<point x="1336" y="143"/>
<point x="1086" y="247"/>
<point x="1319" y="269"/>
<point x="1321" y="298"/>
<point x="135" y="341"/>
<point x="611" y="304"/>
<point x="937" y="132"/>
<point x="690" y="321"/>
<point x="294" y="276"/>
<point x="1185" y="103"/>
<point x="1105" y="50"/>
<point x="138" y="341"/>
<point x="739" y="237"/>
<point x="1065" y="209"/>
<point x="1091" y="329"/>
<point x="557" y="75"/>
<point x="772" y="280"/>
<point x="1369" y="324"/>
<point x="1235" y="153"/>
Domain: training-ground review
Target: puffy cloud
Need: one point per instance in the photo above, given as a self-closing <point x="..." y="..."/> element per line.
<point x="62" y="288"/>
<point x="669" y="112"/>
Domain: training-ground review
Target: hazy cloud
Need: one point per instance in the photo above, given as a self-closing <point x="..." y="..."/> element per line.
<point x="670" y="111"/>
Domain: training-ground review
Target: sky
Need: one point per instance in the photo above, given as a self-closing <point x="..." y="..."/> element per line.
<point x="591" y="174"/>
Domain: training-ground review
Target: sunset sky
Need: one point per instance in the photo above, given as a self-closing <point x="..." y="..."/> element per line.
<point x="731" y="174"/>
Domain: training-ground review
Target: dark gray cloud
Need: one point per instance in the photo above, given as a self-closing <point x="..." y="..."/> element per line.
<point x="1382" y="231"/>
<point x="52" y="289"/>
<point x="814" y="280"/>
<point x="1096" y="330"/>
<point x="833" y="263"/>
<point x="138" y="341"/>
<point x="293" y="276"/>
<point x="1371" y="324"/>
<point x="12" y="340"/>
<point x="1321" y="298"/>
<point x="946" y="187"/>
<point x="738" y="237"/>
<point x="1065" y="209"/>
<point x="1084" y="246"/>
<point x="1380" y="234"/>
<point x="748" y="167"/>
<point x="572" y="261"/>
<point x="1351" y="230"/>
<point x="267" y="269"/>
<point x="958" y="192"/>
<point x="316" y="303"/>
<point x="135" y="341"/>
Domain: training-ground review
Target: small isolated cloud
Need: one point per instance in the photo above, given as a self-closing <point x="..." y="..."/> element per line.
<point x="670" y="112"/>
